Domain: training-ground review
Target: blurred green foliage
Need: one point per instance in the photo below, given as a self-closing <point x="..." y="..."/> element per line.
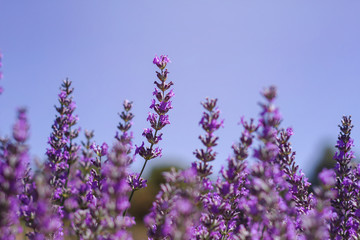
<point x="325" y="161"/>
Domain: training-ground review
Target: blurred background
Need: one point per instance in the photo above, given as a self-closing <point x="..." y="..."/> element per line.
<point x="229" y="49"/>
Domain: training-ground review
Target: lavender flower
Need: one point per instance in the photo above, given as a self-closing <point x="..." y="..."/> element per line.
<point x="232" y="188"/>
<point x="61" y="156"/>
<point x="85" y="218"/>
<point x="125" y="137"/>
<point x="62" y="151"/>
<point x="210" y="123"/>
<point x="161" y="61"/>
<point x="209" y="225"/>
<point x="114" y="194"/>
<point x="356" y="186"/>
<point x="125" y="146"/>
<point x="37" y="211"/>
<point x="175" y="212"/>
<point x="99" y="150"/>
<point x="85" y="195"/>
<point x="268" y="202"/>
<point x="268" y="205"/>
<point x="299" y="184"/>
<point x="269" y="121"/>
<point x="277" y="150"/>
<point x="345" y="223"/>
<point x="21" y="127"/>
<point x="159" y="119"/>
<point x="13" y="160"/>
<point x="136" y="182"/>
<point x="315" y="224"/>
<point x="161" y="105"/>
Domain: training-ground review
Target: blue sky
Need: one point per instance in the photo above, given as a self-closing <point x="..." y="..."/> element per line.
<point x="226" y="49"/>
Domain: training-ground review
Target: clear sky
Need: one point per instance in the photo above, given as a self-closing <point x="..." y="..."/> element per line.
<point x="227" y="49"/>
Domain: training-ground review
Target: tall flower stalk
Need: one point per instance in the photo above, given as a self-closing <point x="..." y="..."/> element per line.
<point x="85" y="195"/>
<point x="114" y="190"/>
<point x="62" y="154"/>
<point x="299" y="184"/>
<point x="62" y="151"/>
<point x="270" y="119"/>
<point x="37" y="211"/>
<point x="268" y="202"/>
<point x="125" y="136"/>
<point x="345" y="224"/>
<point x="84" y="217"/>
<point x="161" y="105"/>
<point x="210" y="224"/>
<point x="13" y="161"/>
<point x="210" y="123"/>
<point x="232" y="188"/>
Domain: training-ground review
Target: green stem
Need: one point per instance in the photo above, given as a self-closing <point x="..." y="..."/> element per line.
<point x="142" y="170"/>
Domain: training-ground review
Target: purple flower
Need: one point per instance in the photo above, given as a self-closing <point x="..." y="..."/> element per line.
<point x="21" y="127"/>
<point x="114" y="191"/>
<point x="161" y="61"/>
<point x="150" y="137"/>
<point x="14" y="158"/>
<point x="163" y="121"/>
<point x="174" y="213"/>
<point x="42" y="217"/>
<point x="327" y="177"/>
<point x="152" y="119"/>
<point x="344" y="203"/>
<point x="159" y="119"/>
<point x="62" y="153"/>
<point x="99" y="150"/>
<point x="104" y="149"/>
<point x="136" y="182"/>
<point x="210" y="122"/>
<point x="299" y="185"/>
<point x="289" y="132"/>
<point x="138" y="149"/>
<point x="124" y="127"/>
<point x="268" y="199"/>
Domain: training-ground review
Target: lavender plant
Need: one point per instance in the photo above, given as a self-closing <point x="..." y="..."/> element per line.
<point x="210" y="124"/>
<point x="299" y="186"/>
<point x="161" y="106"/>
<point x="315" y="224"/>
<point x="114" y="195"/>
<point x="210" y="223"/>
<point x="13" y="161"/>
<point x="83" y="191"/>
<point x="176" y="209"/>
<point x="345" y="223"/>
<point x="85" y="221"/>
<point x="235" y="178"/>
<point x="268" y="202"/>
<point x="37" y="211"/>
<point x="62" y="152"/>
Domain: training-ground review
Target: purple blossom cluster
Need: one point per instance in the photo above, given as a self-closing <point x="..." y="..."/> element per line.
<point x="345" y="222"/>
<point x="84" y="190"/>
<point x="14" y="158"/>
<point x="161" y="105"/>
